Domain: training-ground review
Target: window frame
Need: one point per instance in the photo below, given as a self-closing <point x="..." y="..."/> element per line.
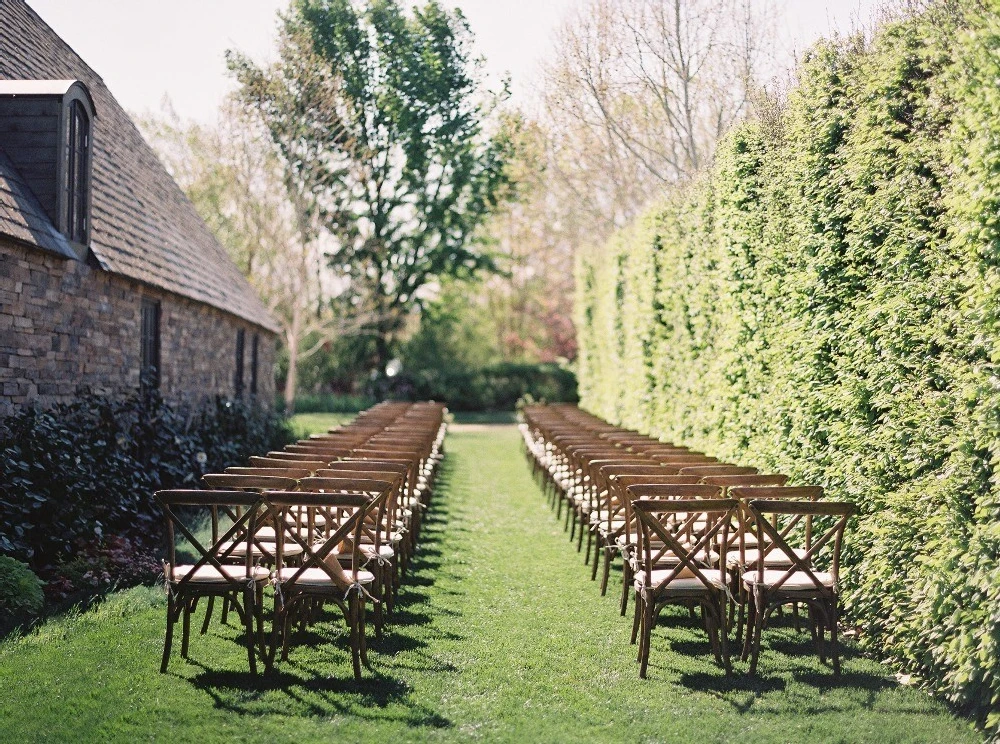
<point x="150" y="344"/>
<point x="75" y="174"/>
<point x="79" y="137"/>
<point x="254" y="361"/>
<point x="238" y="376"/>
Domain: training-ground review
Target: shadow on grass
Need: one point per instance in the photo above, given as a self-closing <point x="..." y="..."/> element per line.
<point x="303" y="685"/>
<point x="798" y="655"/>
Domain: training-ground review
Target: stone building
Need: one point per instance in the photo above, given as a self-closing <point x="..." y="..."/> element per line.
<point x="107" y="273"/>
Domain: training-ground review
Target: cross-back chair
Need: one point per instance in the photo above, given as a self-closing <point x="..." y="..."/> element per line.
<point x="801" y="581"/>
<point x="320" y="575"/>
<point x="678" y="565"/>
<point x="214" y="572"/>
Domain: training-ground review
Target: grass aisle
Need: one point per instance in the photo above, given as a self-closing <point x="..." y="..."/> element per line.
<point x="501" y="636"/>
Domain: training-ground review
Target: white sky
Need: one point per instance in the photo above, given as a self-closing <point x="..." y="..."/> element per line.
<point x="145" y="49"/>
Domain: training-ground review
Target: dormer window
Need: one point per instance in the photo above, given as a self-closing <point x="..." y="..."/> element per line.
<point x="46" y="130"/>
<point x="78" y="175"/>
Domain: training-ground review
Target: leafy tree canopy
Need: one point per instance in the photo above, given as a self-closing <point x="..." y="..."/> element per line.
<point x="394" y="145"/>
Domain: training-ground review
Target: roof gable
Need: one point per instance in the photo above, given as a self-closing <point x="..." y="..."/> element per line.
<point x="142" y="225"/>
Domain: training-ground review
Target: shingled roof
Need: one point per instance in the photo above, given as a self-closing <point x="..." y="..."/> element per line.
<point x="142" y="225"/>
<point x="23" y="218"/>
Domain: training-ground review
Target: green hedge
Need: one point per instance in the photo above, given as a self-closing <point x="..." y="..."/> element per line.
<point x="825" y="302"/>
<point x="497" y="387"/>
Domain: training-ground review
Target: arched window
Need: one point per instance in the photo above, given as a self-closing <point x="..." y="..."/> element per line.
<point x="78" y="174"/>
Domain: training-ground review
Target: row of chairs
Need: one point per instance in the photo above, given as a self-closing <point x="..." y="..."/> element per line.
<point x="690" y="530"/>
<point x="334" y="518"/>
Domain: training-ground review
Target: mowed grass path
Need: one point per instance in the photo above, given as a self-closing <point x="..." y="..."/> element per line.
<point x="500" y="636"/>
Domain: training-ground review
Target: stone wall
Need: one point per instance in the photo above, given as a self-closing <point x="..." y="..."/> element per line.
<point x="67" y="327"/>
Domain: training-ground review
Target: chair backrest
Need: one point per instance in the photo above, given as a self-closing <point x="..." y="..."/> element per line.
<point x="717" y="469"/>
<point x="295" y="456"/>
<point x="776" y="493"/>
<point x="351" y="509"/>
<point x="770" y="514"/>
<point x="321" y="450"/>
<point x="693" y="532"/>
<point x="182" y="507"/>
<point x="234" y="481"/>
<point x="287" y="471"/>
<point x="753" y="479"/>
<point x="385" y="484"/>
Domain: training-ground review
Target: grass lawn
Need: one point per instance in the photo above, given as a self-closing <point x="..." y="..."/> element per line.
<point x="500" y="636"/>
<point x="304" y="424"/>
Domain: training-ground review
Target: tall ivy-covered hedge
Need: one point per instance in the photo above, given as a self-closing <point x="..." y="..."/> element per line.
<point x="825" y="302"/>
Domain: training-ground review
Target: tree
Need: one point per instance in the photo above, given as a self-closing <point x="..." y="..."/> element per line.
<point x="249" y="200"/>
<point x="379" y="115"/>
<point x="531" y="301"/>
<point x="638" y="94"/>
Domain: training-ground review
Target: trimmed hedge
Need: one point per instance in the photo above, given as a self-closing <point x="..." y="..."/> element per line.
<point x="825" y="302"/>
<point x="497" y="387"/>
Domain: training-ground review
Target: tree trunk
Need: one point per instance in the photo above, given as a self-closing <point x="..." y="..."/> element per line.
<point x="292" y="340"/>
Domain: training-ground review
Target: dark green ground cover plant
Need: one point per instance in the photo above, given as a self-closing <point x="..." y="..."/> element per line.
<point x="76" y="480"/>
<point x="823" y="302"/>
<point x="499" y="636"/>
<point x="21" y="597"/>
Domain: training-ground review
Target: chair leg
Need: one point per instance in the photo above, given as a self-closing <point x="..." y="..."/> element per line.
<point x="724" y="638"/>
<point x="607" y="569"/>
<point x="362" y="636"/>
<point x="208" y="615"/>
<point x="352" y="614"/>
<point x="748" y="634"/>
<point x="286" y="631"/>
<point x="249" y="616"/>
<point x="590" y="543"/>
<point x="169" y="638"/>
<point x="834" y="647"/>
<point x="647" y="635"/>
<point x="626" y="583"/>
<point x="186" y="631"/>
<point x="758" y="627"/>
<point x="225" y="611"/>
<point x="635" y="620"/>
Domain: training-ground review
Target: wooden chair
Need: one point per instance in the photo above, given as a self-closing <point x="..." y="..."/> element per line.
<point x="213" y="574"/>
<point x="287" y="462"/>
<point x="717" y="469"/>
<point x="678" y="565"/>
<point x="801" y="581"/>
<point x="377" y="553"/>
<point x="320" y="576"/>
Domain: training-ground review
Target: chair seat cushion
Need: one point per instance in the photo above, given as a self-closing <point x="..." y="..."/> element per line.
<point x="267" y="549"/>
<point x="209" y="574"/>
<point x="798" y="581"/>
<point x="319" y="577"/>
<point x="750" y="556"/>
<point x="684" y="581"/>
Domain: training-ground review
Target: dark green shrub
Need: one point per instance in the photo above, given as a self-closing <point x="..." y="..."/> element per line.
<point x="329" y="403"/>
<point x="494" y="388"/>
<point x="21" y="597"/>
<point x="77" y="479"/>
<point x="824" y="302"/>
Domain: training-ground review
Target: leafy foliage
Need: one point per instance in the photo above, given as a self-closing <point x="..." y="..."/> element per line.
<point x="496" y="387"/>
<point x="377" y="110"/>
<point x="76" y="480"/>
<point x="823" y="302"/>
<point x="21" y="597"/>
